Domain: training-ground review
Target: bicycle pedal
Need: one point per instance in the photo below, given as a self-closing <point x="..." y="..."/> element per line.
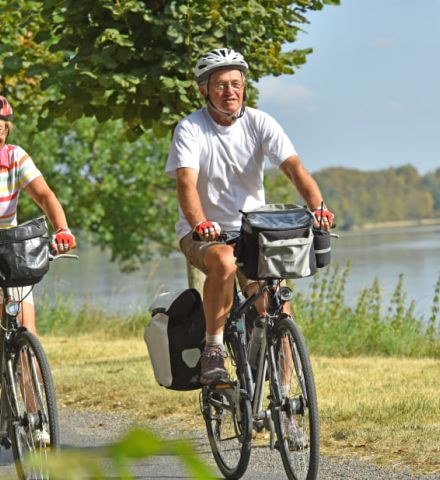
<point x="223" y="386"/>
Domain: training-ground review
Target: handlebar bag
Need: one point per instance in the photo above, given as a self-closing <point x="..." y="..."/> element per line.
<point x="175" y="338"/>
<point x="24" y="253"/>
<point x="276" y="241"/>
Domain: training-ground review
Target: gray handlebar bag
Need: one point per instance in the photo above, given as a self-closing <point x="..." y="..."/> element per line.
<point x="276" y="241"/>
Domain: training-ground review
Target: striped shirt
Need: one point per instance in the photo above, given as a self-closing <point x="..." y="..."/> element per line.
<point x="20" y="172"/>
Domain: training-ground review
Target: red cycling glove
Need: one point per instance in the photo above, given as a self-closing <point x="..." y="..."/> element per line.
<point x="62" y="241"/>
<point x="322" y="214"/>
<point x="206" y="228"/>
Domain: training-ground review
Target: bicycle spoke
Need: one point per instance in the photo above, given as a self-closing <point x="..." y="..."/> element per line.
<point x="296" y="417"/>
<point x="228" y="420"/>
<point x="33" y="426"/>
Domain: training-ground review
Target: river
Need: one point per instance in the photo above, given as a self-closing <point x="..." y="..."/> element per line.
<point x="414" y="252"/>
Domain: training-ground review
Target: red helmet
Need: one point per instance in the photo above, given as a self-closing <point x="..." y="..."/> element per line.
<point x="5" y="109"/>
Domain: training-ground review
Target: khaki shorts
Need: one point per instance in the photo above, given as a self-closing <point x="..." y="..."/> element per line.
<point x="20" y="293"/>
<point x="195" y="252"/>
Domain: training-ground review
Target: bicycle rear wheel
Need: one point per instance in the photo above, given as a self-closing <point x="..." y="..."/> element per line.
<point x="33" y="425"/>
<point x="228" y="417"/>
<point x="296" y="413"/>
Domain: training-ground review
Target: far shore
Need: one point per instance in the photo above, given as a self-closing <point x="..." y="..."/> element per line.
<point x="396" y="224"/>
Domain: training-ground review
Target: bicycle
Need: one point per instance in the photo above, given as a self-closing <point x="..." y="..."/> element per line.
<point x="231" y="411"/>
<point x="28" y="408"/>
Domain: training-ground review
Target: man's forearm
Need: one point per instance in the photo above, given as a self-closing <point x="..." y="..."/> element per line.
<point x="188" y="197"/>
<point x="309" y="190"/>
<point x="190" y="204"/>
<point x="303" y="181"/>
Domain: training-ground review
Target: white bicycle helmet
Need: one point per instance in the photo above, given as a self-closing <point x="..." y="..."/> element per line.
<point x="218" y="59"/>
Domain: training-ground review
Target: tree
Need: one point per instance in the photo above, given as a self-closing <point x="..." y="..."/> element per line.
<point x="133" y="59"/>
<point x="109" y="187"/>
<point x="367" y="197"/>
<point x="94" y="74"/>
<point x="432" y="182"/>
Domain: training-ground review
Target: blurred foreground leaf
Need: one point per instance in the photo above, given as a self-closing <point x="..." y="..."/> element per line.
<point x="135" y="445"/>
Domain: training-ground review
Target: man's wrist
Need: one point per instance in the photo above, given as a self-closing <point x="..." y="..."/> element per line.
<point x="323" y="206"/>
<point x="199" y="223"/>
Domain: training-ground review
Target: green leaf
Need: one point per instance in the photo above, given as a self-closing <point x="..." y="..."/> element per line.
<point x="112" y="35"/>
<point x="137" y="444"/>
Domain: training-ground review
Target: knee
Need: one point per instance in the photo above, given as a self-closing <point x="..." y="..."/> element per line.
<point x="221" y="264"/>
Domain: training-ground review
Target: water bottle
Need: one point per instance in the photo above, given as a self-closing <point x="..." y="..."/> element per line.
<point x="255" y="341"/>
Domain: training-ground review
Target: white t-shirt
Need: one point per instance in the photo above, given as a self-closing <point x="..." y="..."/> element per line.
<point x="229" y="161"/>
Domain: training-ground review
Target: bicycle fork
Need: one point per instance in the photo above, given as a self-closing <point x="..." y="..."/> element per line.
<point x="3" y="412"/>
<point x="7" y="404"/>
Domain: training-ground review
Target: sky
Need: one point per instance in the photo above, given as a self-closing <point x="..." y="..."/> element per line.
<point x="368" y="97"/>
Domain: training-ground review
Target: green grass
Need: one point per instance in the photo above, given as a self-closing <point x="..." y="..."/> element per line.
<point x="385" y="410"/>
<point x="60" y="316"/>
<point x="376" y="366"/>
<point x="330" y="326"/>
<point x="371" y="326"/>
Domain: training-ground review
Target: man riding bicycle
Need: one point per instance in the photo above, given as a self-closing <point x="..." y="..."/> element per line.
<point x="217" y="157"/>
<point x="18" y="172"/>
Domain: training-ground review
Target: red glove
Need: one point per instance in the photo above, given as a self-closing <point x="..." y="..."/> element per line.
<point x="62" y="241"/>
<point x="207" y="228"/>
<point x="322" y="214"/>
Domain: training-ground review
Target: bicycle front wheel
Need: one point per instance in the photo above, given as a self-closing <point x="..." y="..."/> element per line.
<point x="33" y="425"/>
<point x="295" y="414"/>
<point x="228" y="417"/>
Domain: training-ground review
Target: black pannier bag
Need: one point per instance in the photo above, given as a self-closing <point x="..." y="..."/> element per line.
<point x="175" y="338"/>
<point x="276" y="241"/>
<point x="24" y="253"/>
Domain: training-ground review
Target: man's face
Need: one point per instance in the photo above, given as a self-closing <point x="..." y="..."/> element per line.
<point x="3" y="132"/>
<point x="226" y="90"/>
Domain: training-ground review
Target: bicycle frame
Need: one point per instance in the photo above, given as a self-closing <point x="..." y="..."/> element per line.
<point x="266" y="360"/>
<point x="277" y="354"/>
<point x="8" y="328"/>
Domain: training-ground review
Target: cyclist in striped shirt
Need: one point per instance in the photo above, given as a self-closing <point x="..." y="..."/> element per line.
<point x="18" y="172"/>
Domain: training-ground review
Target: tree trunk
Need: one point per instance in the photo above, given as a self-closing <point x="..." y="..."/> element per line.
<point x="196" y="278"/>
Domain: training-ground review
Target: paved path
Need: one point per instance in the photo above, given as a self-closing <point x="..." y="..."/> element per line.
<point x="93" y="431"/>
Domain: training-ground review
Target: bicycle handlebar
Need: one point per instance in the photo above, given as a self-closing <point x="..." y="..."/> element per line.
<point x="225" y="237"/>
<point x="232" y="236"/>
<point x="62" y="255"/>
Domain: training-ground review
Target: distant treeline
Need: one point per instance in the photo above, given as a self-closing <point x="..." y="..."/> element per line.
<point x="360" y="197"/>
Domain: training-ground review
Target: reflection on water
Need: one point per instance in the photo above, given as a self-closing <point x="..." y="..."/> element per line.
<point x="415" y="252"/>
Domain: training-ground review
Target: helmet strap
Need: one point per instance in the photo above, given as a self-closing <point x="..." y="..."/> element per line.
<point x="230" y="116"/>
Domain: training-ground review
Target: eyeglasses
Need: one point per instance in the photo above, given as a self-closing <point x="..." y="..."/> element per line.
<point x="4" y="130"/>
<point x="221" y="87"/>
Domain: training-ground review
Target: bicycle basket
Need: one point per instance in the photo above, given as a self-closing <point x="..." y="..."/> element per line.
<point x="24" y="253"/>
<point x="276" y="241"/>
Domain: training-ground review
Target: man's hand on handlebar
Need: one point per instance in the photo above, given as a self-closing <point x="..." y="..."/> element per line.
<point x="207" y="231"/>
<point x="325" y="219"/>
<point x="62" y="241"/>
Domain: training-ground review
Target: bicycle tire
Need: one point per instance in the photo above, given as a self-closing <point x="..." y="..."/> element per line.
<point x="229" y="434"/>
<point x="34" y="410"/>
<point x="296" y="416"/>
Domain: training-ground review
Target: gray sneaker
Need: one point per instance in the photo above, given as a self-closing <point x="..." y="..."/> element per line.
<point x="295" y="436"/>
<point x="213" y="365"/>
<point x="41" y="437"/>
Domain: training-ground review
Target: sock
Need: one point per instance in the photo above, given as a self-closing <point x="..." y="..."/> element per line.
<point x="214" y="339"/>
<point x="285" y="390"/>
